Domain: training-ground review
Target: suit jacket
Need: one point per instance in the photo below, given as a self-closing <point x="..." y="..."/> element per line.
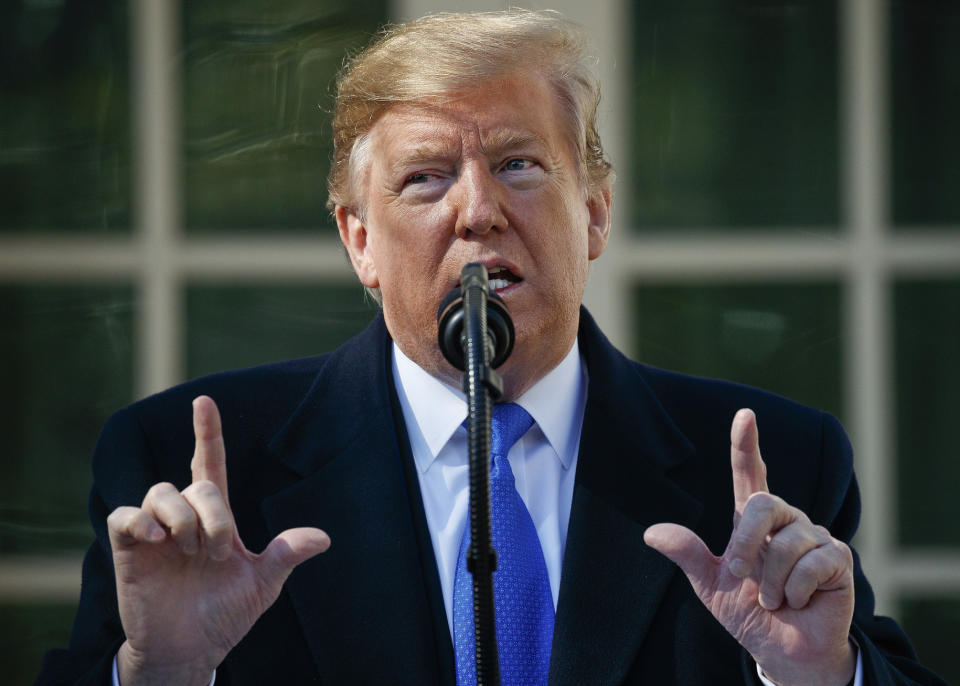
<point x="321" y="442"/>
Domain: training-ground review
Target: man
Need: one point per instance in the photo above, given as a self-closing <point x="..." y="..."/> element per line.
<point x="449" y="151"/>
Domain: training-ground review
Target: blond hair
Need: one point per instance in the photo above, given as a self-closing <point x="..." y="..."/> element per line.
<point x="441" y="54"/>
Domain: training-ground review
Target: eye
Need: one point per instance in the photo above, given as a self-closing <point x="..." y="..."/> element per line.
<point x="419" y="177"/>
<point x="517" y="164"/>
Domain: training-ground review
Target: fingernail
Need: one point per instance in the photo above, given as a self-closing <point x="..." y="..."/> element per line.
<point x="155" y="533"/>
<point x="766" y="603"/>
<point x="739" y="567"/>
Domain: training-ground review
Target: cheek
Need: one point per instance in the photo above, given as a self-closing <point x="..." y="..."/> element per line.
<point x="409" y="249"/>
<point x="564" y="234"/>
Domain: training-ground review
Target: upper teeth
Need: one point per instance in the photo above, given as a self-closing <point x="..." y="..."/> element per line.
<point x="495" y="283"/>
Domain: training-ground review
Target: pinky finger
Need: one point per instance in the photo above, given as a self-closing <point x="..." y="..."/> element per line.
<point x="131" y="525"/>
<point x="826" y="568"/>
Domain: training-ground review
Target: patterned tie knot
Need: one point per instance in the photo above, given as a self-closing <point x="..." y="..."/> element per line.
<point x="507" y="425"/>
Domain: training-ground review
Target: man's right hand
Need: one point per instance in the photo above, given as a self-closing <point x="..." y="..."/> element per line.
<point x="187" y="587"/>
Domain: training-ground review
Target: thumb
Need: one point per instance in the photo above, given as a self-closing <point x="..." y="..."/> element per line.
<point x="289" y="549"/>
<point x="685" y="549"/>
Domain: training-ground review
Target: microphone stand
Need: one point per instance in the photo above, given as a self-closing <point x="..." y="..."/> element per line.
<point x="482" y="386"/>
<point x="475" y="343"/>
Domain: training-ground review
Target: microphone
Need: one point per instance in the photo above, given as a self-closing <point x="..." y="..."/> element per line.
<point x="450" y="319"/>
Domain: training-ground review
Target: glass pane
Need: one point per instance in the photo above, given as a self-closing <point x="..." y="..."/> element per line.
<point x="64" y="122"/>
<point x="733" y="114"/>
<point x="927" y="320"/>
<point x="924" y="54"/>
<point x="257" y="81"/>
<point x="29" y="631"/>
<point x="933" y="625"/>
<point x="781" y="337"/>
<point x="238" y="326"/>
<point x="67" y="354"/>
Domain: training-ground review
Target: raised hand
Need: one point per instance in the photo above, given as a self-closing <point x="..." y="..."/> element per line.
<point x="187" y="587"/>
<point x="783" y="587"/>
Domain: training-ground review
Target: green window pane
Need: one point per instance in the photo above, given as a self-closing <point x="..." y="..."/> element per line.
<point x="925" y="93"/>
<point x="933" y="624"/>
<point x="64" y="121"/>
<point x="229" y="327"/>
<point x="927" y="340"/>
<point x="67" y="354"/>
<point x="257" y="81"/>
<point x="733" y="114"/>
<point x="27" y="631"/>
<point x="781" y="337"/>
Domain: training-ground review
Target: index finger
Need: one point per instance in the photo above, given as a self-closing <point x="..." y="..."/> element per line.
<point x="749" y="471"/>
<point x="209" y="456"/>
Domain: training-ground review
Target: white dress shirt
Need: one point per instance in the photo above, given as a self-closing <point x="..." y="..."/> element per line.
<point x="544" y="460"/>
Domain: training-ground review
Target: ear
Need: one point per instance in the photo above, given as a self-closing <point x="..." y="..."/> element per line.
<point x="353" y="233"/>
<point x="598" y="205"/>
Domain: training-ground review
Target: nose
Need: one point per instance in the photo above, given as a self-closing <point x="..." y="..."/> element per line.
<point x="477" y="200"/>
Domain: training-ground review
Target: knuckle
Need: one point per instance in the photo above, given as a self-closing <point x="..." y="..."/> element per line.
<point x="761" y="504"/>
<point x="121" y="518"/>
<point x="161" y="490"/>
<point x="843" y="550"/>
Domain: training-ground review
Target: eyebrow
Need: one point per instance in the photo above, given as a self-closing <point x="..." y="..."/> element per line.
<point x="505" y="139"/>
<point x="425" y="152"/>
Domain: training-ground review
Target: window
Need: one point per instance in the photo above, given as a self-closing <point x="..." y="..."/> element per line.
<point x="786" y="215"/>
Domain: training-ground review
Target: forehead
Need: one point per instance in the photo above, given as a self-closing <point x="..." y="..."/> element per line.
<point x="497" y="113"/>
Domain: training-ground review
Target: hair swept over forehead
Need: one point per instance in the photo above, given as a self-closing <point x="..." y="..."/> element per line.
<point x="439" y="54"/>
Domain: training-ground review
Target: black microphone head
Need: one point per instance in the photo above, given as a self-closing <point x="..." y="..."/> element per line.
<point x="500" y="326"/>
<point x="450" y="323"/>
<point x="449" y="328"/>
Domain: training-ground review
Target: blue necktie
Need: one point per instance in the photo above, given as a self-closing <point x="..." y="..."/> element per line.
<point x="521" y="588"/>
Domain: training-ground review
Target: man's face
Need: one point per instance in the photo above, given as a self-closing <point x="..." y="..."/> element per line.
<point x="489" y="176"/>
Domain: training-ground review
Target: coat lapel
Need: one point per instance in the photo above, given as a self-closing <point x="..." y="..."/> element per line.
<point x="364" y="604"/>
<point x="612" y="582"/>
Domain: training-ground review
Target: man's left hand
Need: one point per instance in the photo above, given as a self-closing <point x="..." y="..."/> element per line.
<point x="783" y="587"/>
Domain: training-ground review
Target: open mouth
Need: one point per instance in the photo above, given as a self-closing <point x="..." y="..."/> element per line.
<point x="501" y="278"/>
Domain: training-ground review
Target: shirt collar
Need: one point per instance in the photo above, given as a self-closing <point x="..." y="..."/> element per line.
<point x="556" y="403"/>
